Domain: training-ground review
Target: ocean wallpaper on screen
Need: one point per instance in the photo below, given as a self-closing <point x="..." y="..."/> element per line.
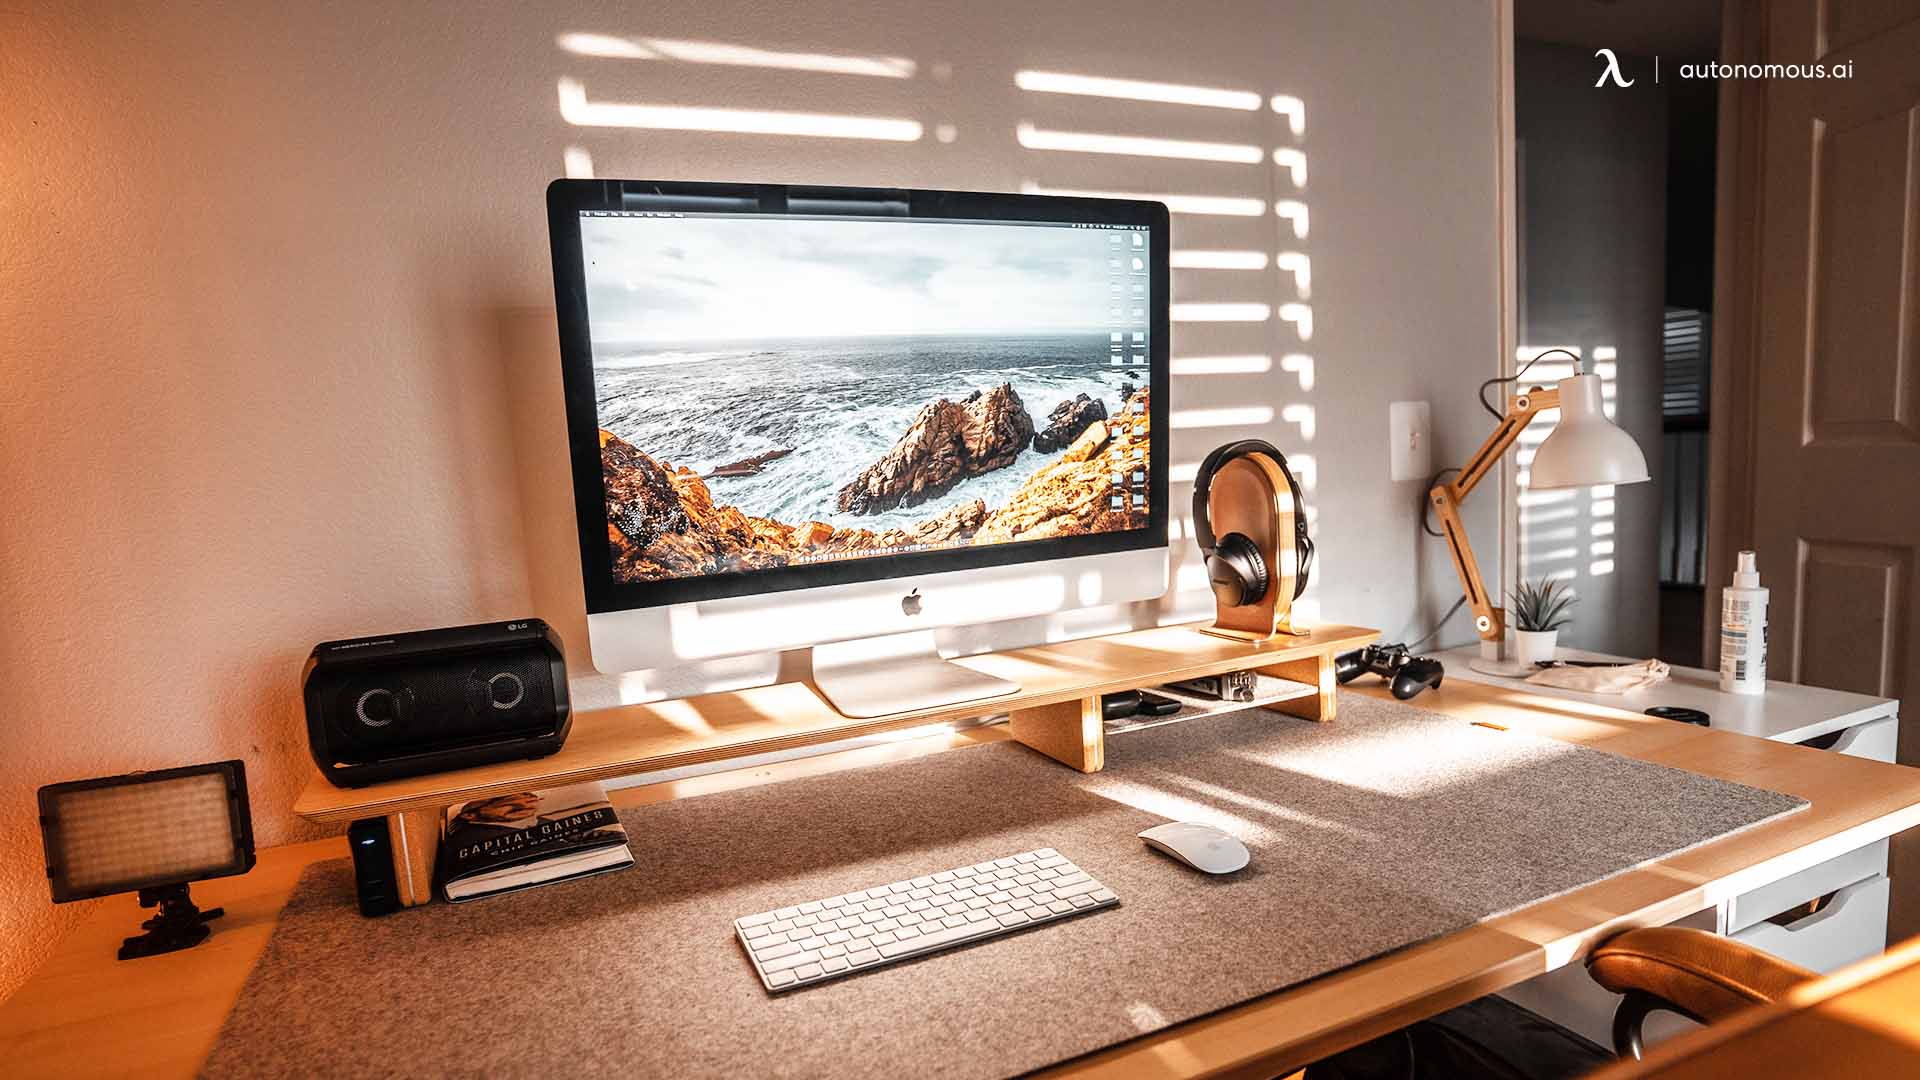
<point x="775" y="390"/>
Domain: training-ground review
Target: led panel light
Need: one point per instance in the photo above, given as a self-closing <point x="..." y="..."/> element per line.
<point x="145" y="830"/>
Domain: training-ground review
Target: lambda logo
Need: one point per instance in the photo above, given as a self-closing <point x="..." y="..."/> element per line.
<point x="1612" y="70"/>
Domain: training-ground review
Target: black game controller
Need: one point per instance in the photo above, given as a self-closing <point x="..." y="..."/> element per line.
<point x="1410" y="674"/>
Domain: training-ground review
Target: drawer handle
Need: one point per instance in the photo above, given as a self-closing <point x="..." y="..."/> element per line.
<point x="1817" y="910"/>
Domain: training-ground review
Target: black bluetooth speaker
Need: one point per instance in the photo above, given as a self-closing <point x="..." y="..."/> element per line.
<point x="398" y="705"/>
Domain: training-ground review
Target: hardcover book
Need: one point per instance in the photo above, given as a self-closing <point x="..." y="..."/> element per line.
<point x="511" y="842"/>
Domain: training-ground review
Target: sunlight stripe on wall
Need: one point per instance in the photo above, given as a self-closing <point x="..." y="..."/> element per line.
<point x="577" y="110"/>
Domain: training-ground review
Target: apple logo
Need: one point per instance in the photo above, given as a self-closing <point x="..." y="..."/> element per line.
<point x="910" y="603"/>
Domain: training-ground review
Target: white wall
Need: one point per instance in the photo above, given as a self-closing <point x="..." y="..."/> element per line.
<point x="1593" y="181"/>
<point x="278" y="357"/>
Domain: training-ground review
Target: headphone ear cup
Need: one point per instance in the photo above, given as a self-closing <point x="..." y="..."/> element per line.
<point x="1238" y="573"/>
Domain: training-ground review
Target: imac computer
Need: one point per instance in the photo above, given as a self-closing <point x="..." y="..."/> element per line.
<point x="843" y="417"/>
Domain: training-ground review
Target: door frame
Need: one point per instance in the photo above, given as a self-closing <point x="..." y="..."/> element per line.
<point x="1737" y="235"/>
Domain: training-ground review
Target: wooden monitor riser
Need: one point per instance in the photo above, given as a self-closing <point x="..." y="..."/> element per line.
<point x="1056" y="712"/>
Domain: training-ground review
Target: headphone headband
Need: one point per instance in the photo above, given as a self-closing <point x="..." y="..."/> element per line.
<point x="1203" y="486"/>
<point x="1203" y="483"/>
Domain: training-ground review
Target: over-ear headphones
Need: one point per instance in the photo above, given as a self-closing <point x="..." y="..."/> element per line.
<point x="1234" y="566"/>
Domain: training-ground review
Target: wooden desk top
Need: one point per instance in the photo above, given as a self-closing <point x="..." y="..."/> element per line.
<point x="86" y="1014"/>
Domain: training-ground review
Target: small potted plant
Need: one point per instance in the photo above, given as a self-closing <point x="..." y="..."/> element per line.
<point x="1539" y="611"/>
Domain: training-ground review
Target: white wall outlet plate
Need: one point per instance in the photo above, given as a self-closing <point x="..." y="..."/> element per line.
<point x="1411" y="440"/>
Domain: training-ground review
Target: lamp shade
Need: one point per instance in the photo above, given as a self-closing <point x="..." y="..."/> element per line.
<point x="1585" y="447"/>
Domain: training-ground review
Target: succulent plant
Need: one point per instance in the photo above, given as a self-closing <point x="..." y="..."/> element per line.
<point x="1540" y="605"/>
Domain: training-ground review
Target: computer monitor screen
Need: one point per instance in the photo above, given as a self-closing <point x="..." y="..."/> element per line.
<point x="791" y="390"/>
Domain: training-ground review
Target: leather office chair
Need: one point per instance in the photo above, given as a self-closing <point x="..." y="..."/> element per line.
<point x="1700" y="975"/>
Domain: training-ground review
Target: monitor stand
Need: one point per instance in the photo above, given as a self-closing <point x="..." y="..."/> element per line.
<point x="897" y="673"/>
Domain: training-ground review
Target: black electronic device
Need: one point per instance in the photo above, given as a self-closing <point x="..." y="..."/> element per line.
<point x="150" y="833"/>
<point x="1157" y="705"/>
<point x="394" y="705"/>
<point x="1680" y="713"/>
<point x="1119" y="705"/>
<point x="1235" y="568"/>
<point x="373" y="878"/>
<point x="1409" y="674"/>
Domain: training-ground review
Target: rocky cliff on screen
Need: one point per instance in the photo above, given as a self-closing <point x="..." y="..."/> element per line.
<point x="663" y="521"/>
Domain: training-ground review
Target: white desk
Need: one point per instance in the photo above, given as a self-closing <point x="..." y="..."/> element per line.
<point x="1853" y="923"/>
<point x="1787" y="712"/>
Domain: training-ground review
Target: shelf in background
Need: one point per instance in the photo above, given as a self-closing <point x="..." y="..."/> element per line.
<point x="609" y="743"/>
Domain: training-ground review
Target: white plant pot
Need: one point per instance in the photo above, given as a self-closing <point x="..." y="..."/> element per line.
<point x="1533" y="646"/>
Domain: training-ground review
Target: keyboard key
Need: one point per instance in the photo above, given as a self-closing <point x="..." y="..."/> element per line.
<point x="1076" y="890"/>
<point x="1059" y="907"/>
<point x="831" y="964"/>
<point x="810" y="909"/>
<point x="830" y="951"/>
<point x="808" y="971"/>
<point x="786" y="962"/>
<point x="938" y="938"/>
<point x="772" y="952"/>
<point x="779" y="978"/>
<point x="864" y="956"/>
<point x="1101" y="896"/>
<point x="1082" y="901"/>
<point x="882" y="939"/>
<point x="838" y="901"/>
<point x="757" y="920"/>
<point x="755" y="932"/>
<point x="1013" y="918"/>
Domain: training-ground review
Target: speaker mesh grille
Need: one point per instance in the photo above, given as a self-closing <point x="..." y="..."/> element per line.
<point x="441" y="703"/>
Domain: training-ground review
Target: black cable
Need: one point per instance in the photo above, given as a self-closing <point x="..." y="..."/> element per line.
<point x="1426" y="503"/>
<point x="1414" y="646"/>
<point x="1516" y="376"/>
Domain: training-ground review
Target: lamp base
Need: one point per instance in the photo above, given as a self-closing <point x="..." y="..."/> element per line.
<point x="1505" y="669"/>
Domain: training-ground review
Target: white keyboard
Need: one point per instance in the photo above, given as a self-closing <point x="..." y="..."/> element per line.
<point x="825" y="939"/>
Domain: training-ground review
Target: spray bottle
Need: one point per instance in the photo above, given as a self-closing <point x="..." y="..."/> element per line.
<point x="1743" y="631"/>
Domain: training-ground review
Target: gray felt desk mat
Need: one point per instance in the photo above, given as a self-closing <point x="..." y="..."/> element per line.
<point x="1382" y="830"/>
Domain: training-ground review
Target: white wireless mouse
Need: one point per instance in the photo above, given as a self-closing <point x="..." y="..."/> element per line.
<point x="1200" y="846"/>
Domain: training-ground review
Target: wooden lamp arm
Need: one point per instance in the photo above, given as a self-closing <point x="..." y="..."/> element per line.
<point x="1489" y="621"/>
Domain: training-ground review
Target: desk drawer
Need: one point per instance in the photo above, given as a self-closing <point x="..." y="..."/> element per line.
<point x="1767" y="901"/>
<point x="1875" y="740"/>
<point x="1853" y="926"/>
